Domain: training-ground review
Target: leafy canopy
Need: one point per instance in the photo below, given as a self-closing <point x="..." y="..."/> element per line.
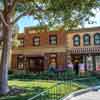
<point x="68" y="13"/>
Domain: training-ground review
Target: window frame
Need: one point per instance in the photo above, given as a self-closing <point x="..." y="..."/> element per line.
<point x="50" y="39"/>
<point x="75" y="40"/>
<point x="33" y="40"/>
<point x="96" y="39"/>
<point x="89" y="41"/>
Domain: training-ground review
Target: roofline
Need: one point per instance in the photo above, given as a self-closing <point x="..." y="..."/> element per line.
<point x="69" y="31"/>
<point x="84" y="29"/>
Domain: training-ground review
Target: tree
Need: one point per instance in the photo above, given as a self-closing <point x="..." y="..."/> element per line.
<point x="67" y="12"/>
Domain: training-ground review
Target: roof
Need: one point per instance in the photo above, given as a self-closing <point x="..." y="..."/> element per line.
<point x="85" y="29"/>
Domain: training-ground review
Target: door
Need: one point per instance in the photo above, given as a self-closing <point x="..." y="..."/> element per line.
<point x="36" y="64"/>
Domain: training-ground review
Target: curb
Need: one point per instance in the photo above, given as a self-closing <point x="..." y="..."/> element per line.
<point x="82" y="91"/>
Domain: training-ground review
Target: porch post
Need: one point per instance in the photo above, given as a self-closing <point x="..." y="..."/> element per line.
<point x="94" y="63"/>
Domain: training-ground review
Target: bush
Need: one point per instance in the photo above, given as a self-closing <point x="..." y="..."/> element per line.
<point x="10" y="72"/>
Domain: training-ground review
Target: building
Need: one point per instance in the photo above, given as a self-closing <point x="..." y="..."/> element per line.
<point x="40" y="50"/>
<point x="84" y="45"/>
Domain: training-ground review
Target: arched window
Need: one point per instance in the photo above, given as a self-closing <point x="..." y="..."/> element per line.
<point x="97" y="39"/>
<point x="76" y="40"/>
<point x="86" y="39"/>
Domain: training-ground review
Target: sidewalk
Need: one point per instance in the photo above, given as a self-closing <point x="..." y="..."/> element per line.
<point x="92" y="95"/>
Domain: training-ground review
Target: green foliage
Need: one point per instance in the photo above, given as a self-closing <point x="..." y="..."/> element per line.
<point x="15" y="41"/>
<point x="67" y="13"/>
<point x="10" y="72"/>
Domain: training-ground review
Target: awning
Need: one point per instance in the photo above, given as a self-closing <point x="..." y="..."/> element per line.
<point x="85" y="50"/>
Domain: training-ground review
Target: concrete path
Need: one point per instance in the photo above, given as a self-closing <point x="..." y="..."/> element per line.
<point x="92" y="95"/>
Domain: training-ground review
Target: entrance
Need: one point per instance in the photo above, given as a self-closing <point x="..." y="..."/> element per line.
<point x="36" y="64"/>
<point x="76" y="59"/>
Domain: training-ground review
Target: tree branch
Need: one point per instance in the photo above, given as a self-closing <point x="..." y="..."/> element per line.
<point x="13" y="5"/>
<point x="2" y="19"/>
<point x="25" y="13"/>
<point x="17" y="18"/>
<point x="5" y="3"/>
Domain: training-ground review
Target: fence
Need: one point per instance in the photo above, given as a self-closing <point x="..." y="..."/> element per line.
<point x="55" y="92"/>
<point x="67" y="82"/>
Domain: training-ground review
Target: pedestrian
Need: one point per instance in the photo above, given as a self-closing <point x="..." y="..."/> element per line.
<point x="76" y="67"/>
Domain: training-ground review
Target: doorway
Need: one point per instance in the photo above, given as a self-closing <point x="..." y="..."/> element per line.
<point x="36" y="64"/>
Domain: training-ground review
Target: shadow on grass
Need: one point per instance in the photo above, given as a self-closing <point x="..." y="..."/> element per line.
<point x="23" y="96"/>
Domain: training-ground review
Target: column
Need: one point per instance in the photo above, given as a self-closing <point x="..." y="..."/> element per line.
<point x="94" y="63"/>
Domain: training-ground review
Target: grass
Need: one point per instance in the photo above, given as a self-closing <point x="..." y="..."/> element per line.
<point x="35" y="84"/>
<point x="32" y="88"/>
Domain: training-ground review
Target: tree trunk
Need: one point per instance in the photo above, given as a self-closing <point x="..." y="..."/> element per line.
<point x="7" y="43"/>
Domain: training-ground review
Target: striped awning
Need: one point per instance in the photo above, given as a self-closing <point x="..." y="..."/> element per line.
<point x="85" y="50"/>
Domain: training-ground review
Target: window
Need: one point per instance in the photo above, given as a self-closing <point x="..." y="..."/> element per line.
<point x="21" y="42"/>
<point x="76" y="40"/>
<point x="97" y="39"/>
<point x="20" y="62"/>
<point x="53" y="39"/>
<point x="36" y="41"/>
<point x="86" y="39"/>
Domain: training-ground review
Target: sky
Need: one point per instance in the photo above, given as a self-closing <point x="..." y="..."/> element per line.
<point x="28" y="21"/>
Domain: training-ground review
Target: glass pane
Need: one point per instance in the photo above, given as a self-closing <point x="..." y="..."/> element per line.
<point x="36" y="39"/>
<point x="53" y="38"/>
<point x="97" y="36"/>
<point x="53" y="42"/>
<point x="97" y="41"/>
<point x="76" y="42"/>
<point x="76" y="38"/>
<point x="36" y="43"/>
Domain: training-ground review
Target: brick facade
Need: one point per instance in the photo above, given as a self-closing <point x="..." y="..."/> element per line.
<point x="44" y="50"/>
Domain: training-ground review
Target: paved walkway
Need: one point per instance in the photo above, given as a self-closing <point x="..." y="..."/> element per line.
<point x="93" y="95"/>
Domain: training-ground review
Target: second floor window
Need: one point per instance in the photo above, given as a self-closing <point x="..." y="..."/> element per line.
<point x="97" y="39"/>
<point x="53" y="39"/>
<point x="36" y="41"/>
<point x="76" y="40"/>
<point x="86" y="39"/>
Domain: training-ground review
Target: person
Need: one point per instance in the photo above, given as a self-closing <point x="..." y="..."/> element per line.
<point x="70" y="66"/>
<point x="52" y="66"/>
<point x="76" y="67"/>
<point x="82" y="68"/>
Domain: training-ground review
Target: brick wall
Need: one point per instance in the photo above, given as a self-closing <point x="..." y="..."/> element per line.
<point x="44" y="38"/>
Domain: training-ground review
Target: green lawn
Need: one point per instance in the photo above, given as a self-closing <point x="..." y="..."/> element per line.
<point x="32" y="87"/>
<point x="36" y="86"/>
